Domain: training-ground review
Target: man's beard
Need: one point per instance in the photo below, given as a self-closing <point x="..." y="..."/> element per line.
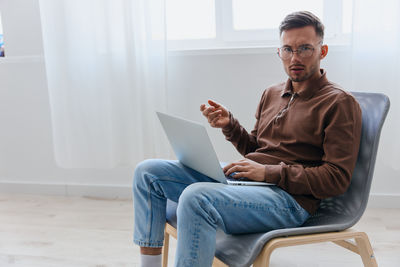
<point x="305" y="77"/>
<point x="299" y="79"/>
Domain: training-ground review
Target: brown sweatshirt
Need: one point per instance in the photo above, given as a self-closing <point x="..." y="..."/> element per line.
<point x="308" y="141"/>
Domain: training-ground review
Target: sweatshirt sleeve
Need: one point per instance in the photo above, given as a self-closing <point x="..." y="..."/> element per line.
<point x="342" y="134"/>
<point x="235" y="133"/>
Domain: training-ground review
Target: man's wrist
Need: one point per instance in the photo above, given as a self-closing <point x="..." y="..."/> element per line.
<point x="272" y="173"/>
<point x="227" y="128"/>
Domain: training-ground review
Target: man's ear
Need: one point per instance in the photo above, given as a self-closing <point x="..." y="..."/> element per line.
<point x="324" y="51"/>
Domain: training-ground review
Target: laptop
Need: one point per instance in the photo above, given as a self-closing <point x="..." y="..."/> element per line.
<point x="193" y="148"/>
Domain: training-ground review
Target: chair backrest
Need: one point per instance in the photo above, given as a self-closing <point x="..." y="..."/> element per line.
<point x="345" y="210"/>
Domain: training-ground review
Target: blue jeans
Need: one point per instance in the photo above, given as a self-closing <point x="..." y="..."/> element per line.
<point x="203" y="206"/>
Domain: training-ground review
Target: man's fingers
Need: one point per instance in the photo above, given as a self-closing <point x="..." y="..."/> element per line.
<point x="241" y="175"/>
<point x="212" y="115"/>
<point x="212" y="111"/>
<point x="235" y="168"/>
<point x="232" y="164"/>
<point x="208" y="110"/>
<point x="213" y="103"/>
<point x="214" y="122"/>
<point x="227" y="167"/>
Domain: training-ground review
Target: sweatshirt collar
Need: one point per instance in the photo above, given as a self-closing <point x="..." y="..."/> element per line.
<point x="309" y="91"/>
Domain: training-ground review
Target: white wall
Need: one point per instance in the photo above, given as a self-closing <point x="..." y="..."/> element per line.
<point x="236" y="78"/>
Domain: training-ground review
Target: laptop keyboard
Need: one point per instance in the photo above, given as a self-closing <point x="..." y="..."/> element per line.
<point x="230" y="178"/>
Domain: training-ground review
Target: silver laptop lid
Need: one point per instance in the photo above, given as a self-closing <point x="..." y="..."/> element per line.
<point x="192" y="145"/>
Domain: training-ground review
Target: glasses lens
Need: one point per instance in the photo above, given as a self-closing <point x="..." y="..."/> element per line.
<point x="305" y="52"/>
<point x="285" y="53"/>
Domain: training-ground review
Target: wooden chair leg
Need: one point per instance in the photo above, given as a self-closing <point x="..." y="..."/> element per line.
<point x="218" y="263"/>
<point x="362" y="246"/>
<point x="264" y="257"/>
<point x="365" y="250"/>
<point x="165" y="250"/>
<point x="171" y="231"/>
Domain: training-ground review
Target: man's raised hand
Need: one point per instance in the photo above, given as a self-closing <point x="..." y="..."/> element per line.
<point x="216" y="114"/>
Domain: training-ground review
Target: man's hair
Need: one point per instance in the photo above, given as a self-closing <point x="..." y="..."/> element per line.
<point x="302" y="19"/>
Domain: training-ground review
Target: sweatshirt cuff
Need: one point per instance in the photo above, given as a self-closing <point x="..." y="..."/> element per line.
<point x="272" y="173"/>
<point x="227" y="129"/>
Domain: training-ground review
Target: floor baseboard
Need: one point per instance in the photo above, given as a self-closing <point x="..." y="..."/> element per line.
<point x="381" y="200"/>
<point x="376" y="200"/>
<point x="99" y="191"/>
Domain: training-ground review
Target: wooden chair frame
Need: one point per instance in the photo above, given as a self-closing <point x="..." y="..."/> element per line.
<point x="360" y="245"/>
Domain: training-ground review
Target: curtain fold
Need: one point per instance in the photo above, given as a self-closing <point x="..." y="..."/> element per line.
<point x="376" y="65"/>
<point x="106" y="78"/>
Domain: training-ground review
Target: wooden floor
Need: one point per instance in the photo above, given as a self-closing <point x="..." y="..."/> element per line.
<point x="41" y="231"/>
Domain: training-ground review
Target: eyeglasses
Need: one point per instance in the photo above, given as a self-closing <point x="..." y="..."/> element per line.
<point x="303" y="51"/>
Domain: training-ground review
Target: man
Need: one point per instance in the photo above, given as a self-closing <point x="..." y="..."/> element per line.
<point x="305" y="141"/>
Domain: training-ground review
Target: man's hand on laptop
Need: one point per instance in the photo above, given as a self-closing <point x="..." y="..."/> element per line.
<point x="216" y="114"/>
<point x="246" y="168"/>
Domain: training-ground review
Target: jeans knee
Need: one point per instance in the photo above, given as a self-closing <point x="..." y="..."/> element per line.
<point x="192" y="198"/>
<point x="196" y="201"/>
<point x="147" y="165"/>
<point x="142" y="170"/>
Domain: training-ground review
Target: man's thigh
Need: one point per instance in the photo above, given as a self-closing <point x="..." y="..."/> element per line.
<point x="168" y="178"/>
<point x="250" y="209"/>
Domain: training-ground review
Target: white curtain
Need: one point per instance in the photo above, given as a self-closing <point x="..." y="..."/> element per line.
<point x="106" y="71"/>
<point x="376" y="67"/>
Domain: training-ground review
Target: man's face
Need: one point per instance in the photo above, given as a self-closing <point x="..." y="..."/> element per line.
<point x="300" y="68"/>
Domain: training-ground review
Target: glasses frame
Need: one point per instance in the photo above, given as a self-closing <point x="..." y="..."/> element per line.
<point x="296" y="51"/>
